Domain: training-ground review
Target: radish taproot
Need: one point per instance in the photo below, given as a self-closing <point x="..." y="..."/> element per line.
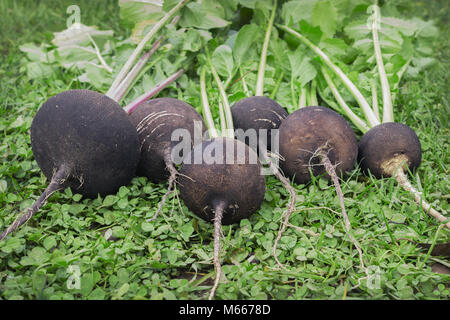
<point x="220" y="179"/>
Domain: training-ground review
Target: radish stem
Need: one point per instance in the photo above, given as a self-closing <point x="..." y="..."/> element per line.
<point x="259" y="91"/>
<point x="123" y="87"/>
<point x="160" y="86"/>
<point x="302" y="100"/>
<point x="205" y="105"/>
<point x="373" y="87"/>
<point x="226" y="106"/>
<point x="345" y="108"/>
<point x="388" y="115"/>
<point x="277" y="86"/>
<point x="313" y="95"/>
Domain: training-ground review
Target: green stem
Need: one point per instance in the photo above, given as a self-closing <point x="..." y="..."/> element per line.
<point x="244" y="83"/>
<point x="205" y="105"/>
<point x="302" y="103"/>
<point x="126" y="84"/>
<point x="368" y="112"/>
<point x="375" y="98"/>
<point x="277" y="85"/>
<point x="293" y="95"/>
<point x="388" y="115"/>
<point x="226" y="106"/>
<point x="345" y="108"/>
<point x="313" y="95"/>
<point x="259" y="91"/>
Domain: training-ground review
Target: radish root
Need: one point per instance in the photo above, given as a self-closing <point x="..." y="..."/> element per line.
<point x="217" y="232"/>
<point x="332" y="173"/>
<point x="57" y="183"/>
<point x="403" y="181"/>
<point x="291" y="206"/>
<point x="173" y="176"/>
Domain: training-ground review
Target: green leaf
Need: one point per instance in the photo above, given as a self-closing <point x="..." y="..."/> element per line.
<point x="133" y="12"/>
<point x="37" y="70"/>
<point x="206" y="15"/>
<point x="295" y="11"/>
<point x="86" y="283"/>
<point x="324" y="15"/>
<point x="186" y="231"/>
<point x="109" y="200"/>
<point x="314" y="34"/>
<point x="245" y="38"/>
<point x="122" y="290"/>
<point x="49" y="242"/>
<point x="97" y="294"/>
<point x="3" y="186"/>
<point x="39" y="281"/>
<point x="222" y="59"/>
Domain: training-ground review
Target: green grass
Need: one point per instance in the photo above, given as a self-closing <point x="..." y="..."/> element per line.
<point x="171" y="258"/>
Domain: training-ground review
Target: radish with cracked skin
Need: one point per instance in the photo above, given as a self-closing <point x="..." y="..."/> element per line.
<point x="156" y="120"/>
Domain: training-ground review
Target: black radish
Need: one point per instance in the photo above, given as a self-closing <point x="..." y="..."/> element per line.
<point x="316" y="141"/>
<point x="84" y="140"/>
<point x="156" y="120"/>
<point x="258" y="113"/>
<point x="311" y="136"/>
<point x="220" y="179"/>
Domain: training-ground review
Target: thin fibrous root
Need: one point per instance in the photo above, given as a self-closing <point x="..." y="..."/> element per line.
<point x="403" y="181"/>
<point x="286" y="224"/>
<point x="173" y="176"/>
<point x="217" y="232"/>
<point x="291" y="206"/>
<point x="57" y="183"/>
<point x="332" y="173"/>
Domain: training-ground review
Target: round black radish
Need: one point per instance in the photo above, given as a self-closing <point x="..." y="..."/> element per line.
<point x="385" y="147"/>
<point x="83" y="140"/>
<point x="311" y="134"/>
<point x="234" y="185"/>
<point x="155" y="121"/>
<point x="258" y="113"/>
<point x="89" y="136"/>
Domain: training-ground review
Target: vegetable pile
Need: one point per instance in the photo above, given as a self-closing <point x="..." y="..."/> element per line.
<point x="306" y="91"/>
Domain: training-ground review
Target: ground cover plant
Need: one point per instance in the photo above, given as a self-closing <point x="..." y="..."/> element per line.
<point x="107" y="244"/>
